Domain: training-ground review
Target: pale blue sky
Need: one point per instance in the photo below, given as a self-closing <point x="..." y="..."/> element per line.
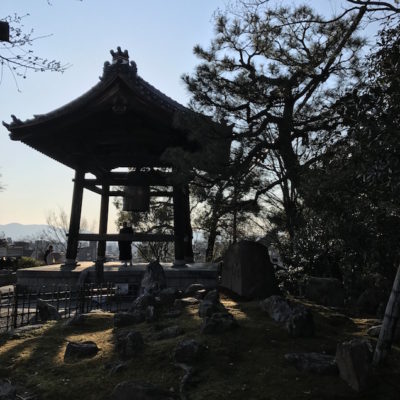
<point x="159" y="35"/>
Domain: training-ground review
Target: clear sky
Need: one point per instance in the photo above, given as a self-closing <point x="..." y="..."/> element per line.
<point x="159" y="35"/>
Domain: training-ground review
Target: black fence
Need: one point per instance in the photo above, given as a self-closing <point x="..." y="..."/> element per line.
<point x="19" y="307"/>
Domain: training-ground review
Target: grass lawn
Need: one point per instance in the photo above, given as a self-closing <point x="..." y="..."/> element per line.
<point x="247" y="363"/>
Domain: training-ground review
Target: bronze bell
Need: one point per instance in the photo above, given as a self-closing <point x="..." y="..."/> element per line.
<point x="136" y="198"/>
<point x="4" y="31"/>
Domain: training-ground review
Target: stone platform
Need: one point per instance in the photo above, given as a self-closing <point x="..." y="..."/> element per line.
<point x="51" y="276"/>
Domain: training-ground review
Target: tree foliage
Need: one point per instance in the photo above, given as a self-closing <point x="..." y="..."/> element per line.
<point x="274" y="73"/>
<point x="267" y="71"/>
<point x="351" y="210"/>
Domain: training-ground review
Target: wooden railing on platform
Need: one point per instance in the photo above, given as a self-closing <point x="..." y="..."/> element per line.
<point x="135" y="237"/>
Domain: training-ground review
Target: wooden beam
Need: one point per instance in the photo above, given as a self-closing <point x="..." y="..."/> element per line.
<point x="94" y="188"/>
<point x="140" y="179"/>
<point x="154" y="193"/>
<point x="136" y="237"/>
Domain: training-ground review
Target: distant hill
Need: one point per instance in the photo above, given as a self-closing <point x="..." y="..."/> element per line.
<point x="19" y="231"/>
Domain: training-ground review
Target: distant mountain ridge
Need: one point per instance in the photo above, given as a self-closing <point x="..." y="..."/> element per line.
<point x="18" y="231"/>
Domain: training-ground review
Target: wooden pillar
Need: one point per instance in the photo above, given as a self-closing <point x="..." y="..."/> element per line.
<point x="179" y="226"/>
<point x="75" y="220"/>
<point x="188" y="251"/>
<point x="101" y="247"/>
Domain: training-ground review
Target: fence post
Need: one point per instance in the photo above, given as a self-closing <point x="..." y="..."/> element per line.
<point x="15" y="308"/>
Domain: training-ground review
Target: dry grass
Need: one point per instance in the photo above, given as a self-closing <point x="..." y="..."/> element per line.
<point x="246" y="363"/>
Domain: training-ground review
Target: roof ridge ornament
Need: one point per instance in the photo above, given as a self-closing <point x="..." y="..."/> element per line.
<point x="119" y="65"/>
<point x="119" y="56"/>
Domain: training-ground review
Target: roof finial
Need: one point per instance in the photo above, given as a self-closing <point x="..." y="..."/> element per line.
<point x="120" y="65"/>
<point x="119" y="56"/>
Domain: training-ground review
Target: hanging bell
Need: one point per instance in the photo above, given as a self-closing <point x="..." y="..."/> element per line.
<point x="136" y="198"/>
<point x="4" y="31"/>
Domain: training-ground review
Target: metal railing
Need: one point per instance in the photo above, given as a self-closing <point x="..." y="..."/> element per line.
<point x="19" y="307"/>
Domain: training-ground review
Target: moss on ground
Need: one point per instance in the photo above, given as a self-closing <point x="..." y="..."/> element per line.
<point x="245" y="363"/>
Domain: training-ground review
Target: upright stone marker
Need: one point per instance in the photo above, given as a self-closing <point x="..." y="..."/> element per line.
<point x="248" y="271"/>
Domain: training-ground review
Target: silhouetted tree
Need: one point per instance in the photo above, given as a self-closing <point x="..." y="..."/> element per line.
<point x="274" y="74"/>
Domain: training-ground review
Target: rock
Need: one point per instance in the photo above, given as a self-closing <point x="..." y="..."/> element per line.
<point x="122" y="319"/>
<point x="277" y="307"/>
<point x="208" y="308"/>
<point x="80" y="349"/>
<point x="154" y="279"/>
<point x="173" y="313"/>
<point x="167" y="296"/>
<point x="374" y="331"/>
<point x="298" y="319"/>
<point x="210" y="305"/>
<point x="47" y="312"/>
<point x="142" y="302"/>
<point x="118" y="368"/>
<point x="77" y="321"/>
<point x="170" y="332"/>
<point x="326" y="291"/>
<point x="353" y="359"/>
<point x="129" y="344"/>
<point x="200" y="294"/>
<point x="192" y="289"/>
<point x="375" y="296"/>
<point x="186" y="301"/>
<point x="218" y="323"/>
<point x="300" y="322"/>
<point x="150" y="314"/>
<point x="248" y="271"/>
<point x="369" y="302"/>
<point x="187" y="351"/>
<point x="130" y="390"/>
<point x="7" y="391"/>
<point x="316" y="363"/>
<point x="212" y="295"/>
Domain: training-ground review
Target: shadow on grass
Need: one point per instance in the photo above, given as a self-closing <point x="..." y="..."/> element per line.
<point x="36" y="360"/>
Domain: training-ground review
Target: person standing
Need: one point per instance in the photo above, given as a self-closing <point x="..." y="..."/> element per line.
<point x="125" y="246"/>
<point x="48" y="256"/>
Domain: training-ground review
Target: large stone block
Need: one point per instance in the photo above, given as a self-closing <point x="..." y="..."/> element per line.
<point x="248" y="271"/>
<point x="353" y="359"/>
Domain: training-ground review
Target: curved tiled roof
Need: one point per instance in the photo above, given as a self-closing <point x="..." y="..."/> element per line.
<point x="120" y="68"/>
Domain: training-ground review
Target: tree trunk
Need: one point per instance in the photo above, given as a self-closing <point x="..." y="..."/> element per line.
<point x="290" y="208"/>
<point x="390" y="320"/>
<point x="211" y="242"/>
